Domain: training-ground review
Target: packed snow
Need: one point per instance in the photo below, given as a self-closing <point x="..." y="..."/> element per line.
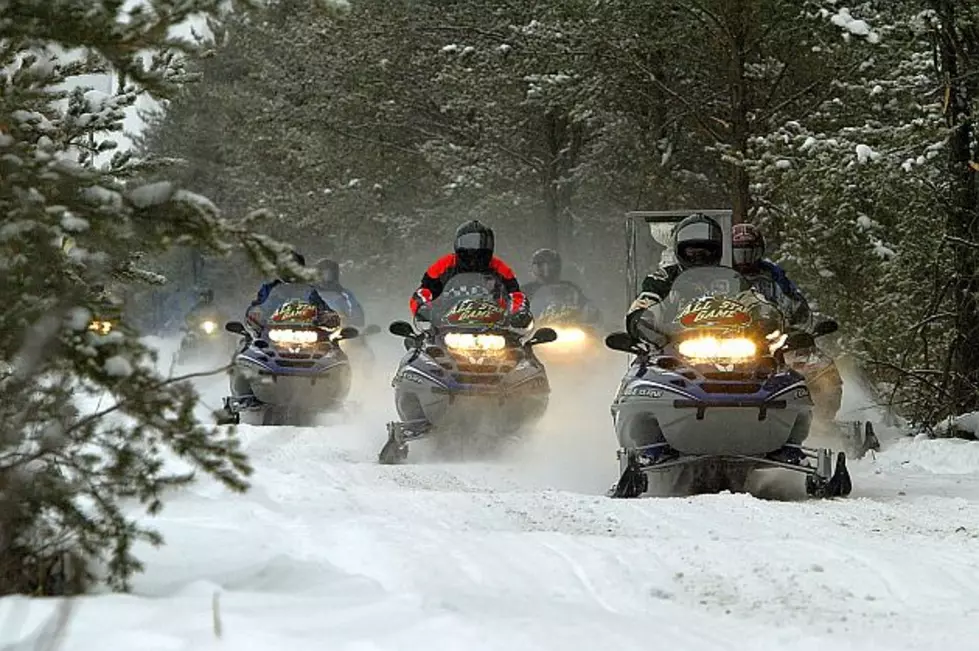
<point x="330" y="550"/>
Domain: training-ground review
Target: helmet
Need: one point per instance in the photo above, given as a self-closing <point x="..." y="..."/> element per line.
<point x="698" y="241"/>
<point x="206" y="296"/>
<point x="330" y="270"/>
<point x="747" y="246"/>
<point x="474" y="246"/>
<point x="546" y="265"/>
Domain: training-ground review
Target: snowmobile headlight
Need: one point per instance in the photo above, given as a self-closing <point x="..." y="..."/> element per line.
<point x="100" y="327"/>
<point x="469" y="342"/>
<point x="712" y="348"/>
<point x="209" y="327"/>
<point x="569" y="337"/>
<point x="289" y="336"/>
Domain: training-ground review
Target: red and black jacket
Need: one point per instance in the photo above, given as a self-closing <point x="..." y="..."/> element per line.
<point x="447" y="266"/>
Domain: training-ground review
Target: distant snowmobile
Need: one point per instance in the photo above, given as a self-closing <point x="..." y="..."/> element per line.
<point x="289" y="371"/>
<point x="710" y="396"/>
<point x="561" y="307"/>
<point x="204" y="339"/>
<point x="469" y="381"/>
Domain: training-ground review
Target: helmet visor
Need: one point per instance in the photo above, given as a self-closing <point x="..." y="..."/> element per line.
<point x="696" y="231"/>
<point x="545" y="271"/>
<point x="700" y="253"/>
<point x="746" y="256"/>
<point x="475" y="241"/>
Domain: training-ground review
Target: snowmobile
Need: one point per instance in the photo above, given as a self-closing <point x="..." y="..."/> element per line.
<point x="289" y="371"/>
<point x="469" y="381"/>
<point x="561" y="307"/>
<point x="709" y="395"/>
<point x="203" y="339"/>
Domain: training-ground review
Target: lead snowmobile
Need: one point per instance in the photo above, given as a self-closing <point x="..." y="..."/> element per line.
<point x="289" y="371"/>
<point x="709" y="397"/>
<point x="469" y="381"/>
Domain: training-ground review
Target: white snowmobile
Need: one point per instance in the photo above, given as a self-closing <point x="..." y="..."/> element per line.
<point x="469" y="381"/>
<point x="709" y="392"/>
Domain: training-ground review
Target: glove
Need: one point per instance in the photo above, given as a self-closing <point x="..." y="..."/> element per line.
<point x="330" y="320"/>
<point x="421" y="301"/>
<point x="254" y="318"/>
<point x="521" y="319"/>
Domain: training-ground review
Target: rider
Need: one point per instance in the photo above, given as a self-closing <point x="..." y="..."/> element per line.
<point x="748" y="255"/>
<point x="287" y="287"/>
<point x="698" y="241"/>
<point x="770" y="279"/>
<point x="337" y="295"/>
<point x="546" y="267"/>
<point x="474" y="245"/>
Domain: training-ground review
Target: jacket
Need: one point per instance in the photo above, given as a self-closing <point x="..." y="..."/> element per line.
<point x="442" y="270"/>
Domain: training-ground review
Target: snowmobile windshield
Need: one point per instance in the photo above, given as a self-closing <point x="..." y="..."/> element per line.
<point x="558" y="303"/>
<point x="471" y="301"/>
<point x="715" y="301"/>
<point x="284" y="293"/>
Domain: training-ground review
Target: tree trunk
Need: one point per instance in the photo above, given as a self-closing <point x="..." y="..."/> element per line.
<point x="959" y="57"/>
<point x="563" y="146"/>
<point x="739" y="26"/>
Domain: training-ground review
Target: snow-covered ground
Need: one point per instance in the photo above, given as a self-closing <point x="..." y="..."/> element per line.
<point x="331" y="551"/>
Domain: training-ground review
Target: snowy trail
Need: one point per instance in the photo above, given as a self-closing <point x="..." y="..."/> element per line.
<point x="331" y="550"/>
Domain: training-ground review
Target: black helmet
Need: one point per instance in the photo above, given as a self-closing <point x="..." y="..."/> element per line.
<point x="330" y="270"/>
<point x="206" y="296"/>
<point x="698" y="241"/>
<point x="546" y="265"/>
<point x="474" y="246"/>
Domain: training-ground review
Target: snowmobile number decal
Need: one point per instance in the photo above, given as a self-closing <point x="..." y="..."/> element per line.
<point x="474" y="312"/>
<point x="295" y="311"/>
<point x="713" y="311"/>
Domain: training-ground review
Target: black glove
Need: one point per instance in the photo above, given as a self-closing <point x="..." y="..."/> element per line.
<point x="330" y="320"/>
<point x="424" y="312"/>
<point x="521" y="319"/>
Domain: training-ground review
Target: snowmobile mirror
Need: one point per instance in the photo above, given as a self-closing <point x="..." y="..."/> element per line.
<point x="402" y="329"/>
<point x="372" y="329"/>
<point x="543" y="336"/>
<point x="237" y="327"/>
<point x="624" y="342"/>
<point x="348" y="333"/>
<point x="827" y="327"/>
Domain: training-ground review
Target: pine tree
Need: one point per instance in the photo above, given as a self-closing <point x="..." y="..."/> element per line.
<point x="71" y="476"/>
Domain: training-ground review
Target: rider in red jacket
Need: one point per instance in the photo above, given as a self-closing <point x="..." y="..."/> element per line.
<point x="474" y="244"/>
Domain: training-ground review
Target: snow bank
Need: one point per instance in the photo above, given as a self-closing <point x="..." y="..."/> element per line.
<point x="937" y="456"/>
<point x="965" y="423"/>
